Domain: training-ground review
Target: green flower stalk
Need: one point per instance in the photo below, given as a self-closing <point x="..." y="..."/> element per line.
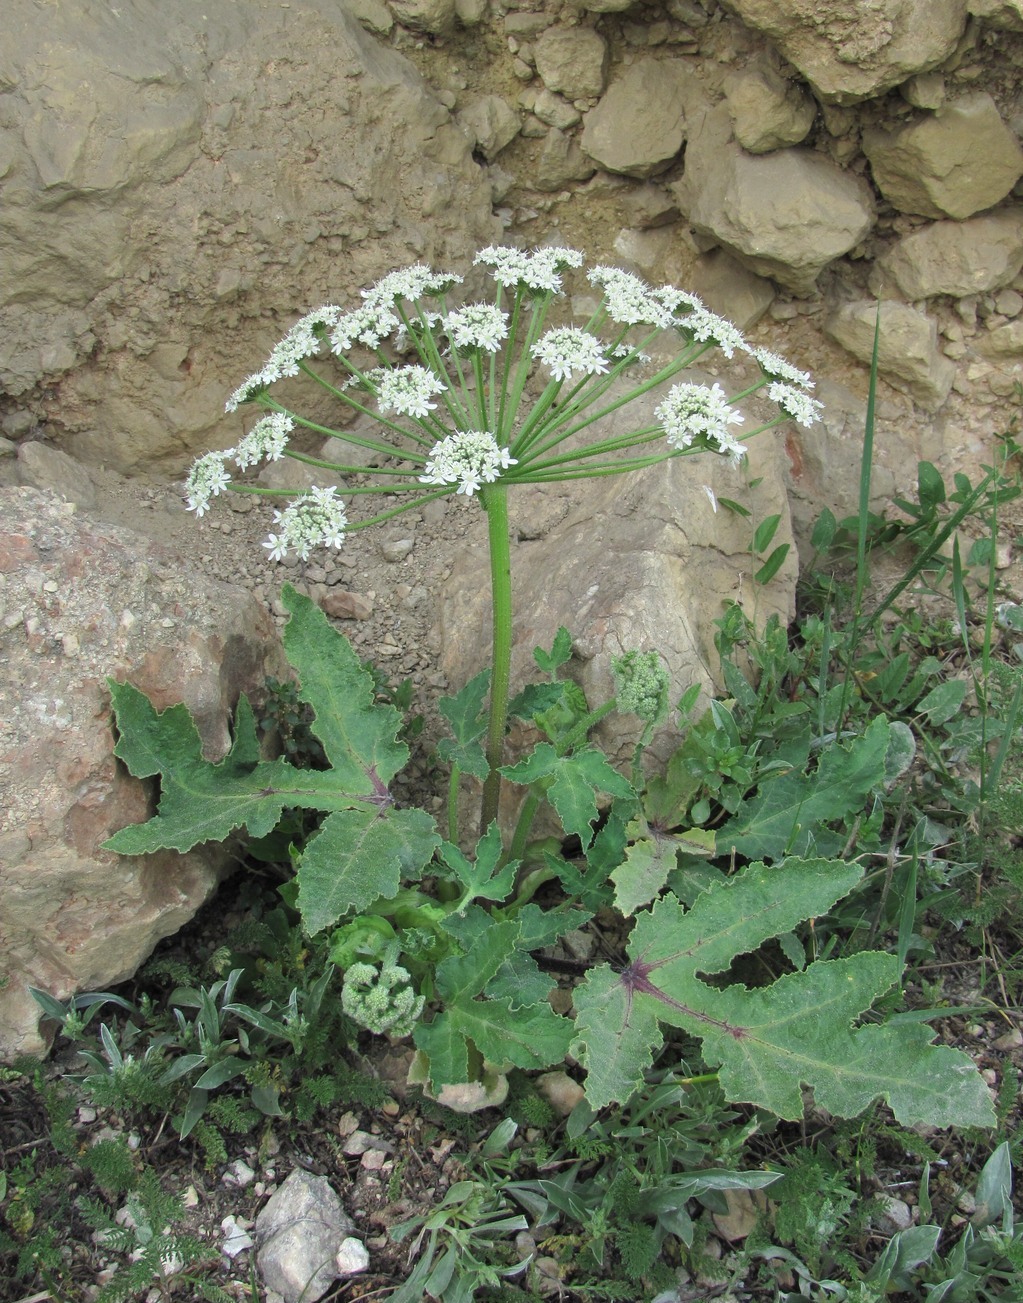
<point x="446" y="385"/>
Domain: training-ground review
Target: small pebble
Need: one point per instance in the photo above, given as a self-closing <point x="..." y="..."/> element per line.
<point x="352" y="1257"/>
<point x="396" y="549"/>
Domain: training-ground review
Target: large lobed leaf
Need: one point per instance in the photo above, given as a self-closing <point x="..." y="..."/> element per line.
<point x="771" y="1041"/>
<point x="363" y="849"/>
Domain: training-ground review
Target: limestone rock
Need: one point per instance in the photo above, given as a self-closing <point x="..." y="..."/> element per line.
<point x="639" y="125"/>
<point x="1006" y="15"/>
<point x="552" y="109"/>
<point x="730" y="289"/>
<point x="433" y="16"/>
<point x="492" y="123"/>
<point x="785" y="215"/>
<point x="81" y="601"/>
<point x="43" y="467"/>
<point x="300" y="1231"/>
<point x="767" y="111"/>
<point x="955" y="163"/>
<point x="649" y="206"/>
<point x="572" y="60"/>
<point x="1003" y="341"/>
<point x="855" y="52"/>
<point x="561" y="161"/>
<point x="177" y="189"/>
<point x="957" y="258"/>
<point x="908" y="353"/>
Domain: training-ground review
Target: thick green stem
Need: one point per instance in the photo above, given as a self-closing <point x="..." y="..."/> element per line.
<point x="495" y="502"/>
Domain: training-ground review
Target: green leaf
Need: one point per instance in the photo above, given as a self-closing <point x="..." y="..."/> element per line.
<point x="358" y="733"/>
<point x="787" y="810"/>
<point x="824" y="531"/>
<point x="483" y="878"/>
<point x="930" y="486"/>
<point x="764" y="533"/>
<point x="571" y="783"/>
<point x="560" y="653"/>
<point x="944" y="701"/>
<point x="358" y="856"/>
<point x="650" y="858"/>
<point x="468" y="722"/>
<point x="770" y="1042"/>
<point x="772" y="565"/>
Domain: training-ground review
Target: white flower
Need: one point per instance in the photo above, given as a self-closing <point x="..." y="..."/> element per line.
<point x="207" y="479"/>
<point x="317" y="518"/>
<point x="703" y="326"/>
<point x="408" y="390"/>
<point x="538" y="271"/>
<point x="629" y="300"/>
<point x="692" y="412"/>
<point x="368" y="325"/>
<point x="247" y="390"/>
<point x="795" y="403"/>
<point x="675" y="299"/>
<point x="267" y="439"/>
<point x="477" y="325"/>
<point x="778" y="369"/>
<point x="409" y="283"/>
<point x="470" y="459"/>
<point x="567" y="350"/>
<point x="304" y="339"/>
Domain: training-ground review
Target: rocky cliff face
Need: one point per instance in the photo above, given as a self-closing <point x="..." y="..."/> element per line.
<point x="176" y="187"/>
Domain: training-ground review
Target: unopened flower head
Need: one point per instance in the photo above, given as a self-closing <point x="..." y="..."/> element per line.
<point x="628" y="300"/>
<point x="694" y="413"/>
<point x="317" y="519"/>
<point x="567" y="350"/>
<point x="795" y="403"/>
<point x="409" y="283"/>
<point x="778" y="369"/>
<point x="266" y="440"/>
<point x="478" y="325"/>
<point x="207" y="478"/>
<point x="369" y="325"/>
<point x="407" y="390"/>
<point x="470" y="459"/>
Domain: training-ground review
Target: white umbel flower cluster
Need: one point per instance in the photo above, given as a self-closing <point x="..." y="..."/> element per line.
<point x="470" y="459"/>
<point x="266" y="440"/>
<point x="539" y="271"/>
<point x="207" y="479"/>
<point x="778" y="369"/>
<point x="407" y="390"/>
<point x="629" y="300"/>
<point x="478" y="325"/>
<point x="567" y="350"/>
<point x="707" y="327"/>
<point x="370" y="325"/>
<point x="700" y="412"/>
<point x="409" y="283"/>
<point x="317" y="519"/>
<point x="795" y="403"/>
<point x="304" y="339"/>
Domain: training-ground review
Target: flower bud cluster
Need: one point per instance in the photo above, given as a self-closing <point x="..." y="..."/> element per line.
<point x="641" y="685"/>
<point x="383" y="1000"/>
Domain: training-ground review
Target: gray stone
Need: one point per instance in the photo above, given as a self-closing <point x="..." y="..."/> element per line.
<point x="1007" y="15"/>
<point x="855" y="52"/>
<point x="43" y="467"/>
<point x="1003" y="341"/>
<point x="433" y="16"/>
<point x="572" y="60"/>
<point x="187" y="186"/>
<point x="785" y="215"/>
<point x="957" y="258"/>
<point x="85" y="601"/>
<point x="492" y="123"/>
<point x="639" y="125"/>
<point x="955" y="163"/>
<point x="561" y="161"/>
<point x="553" y="109"/>
<point x="908" y="352"/>
<point x="373" y="14"/>
<point x="730" y="289"/>
<point x="767" y="111"/>
<point x="300" y="1231"/>
<point x="927" y="91"/>
<point x="648" y="206"/>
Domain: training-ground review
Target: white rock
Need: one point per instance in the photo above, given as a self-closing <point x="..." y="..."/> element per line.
<point x="236" y="1238"/>
<point x="908" y="352"/>
<point x="352" y="1257"/>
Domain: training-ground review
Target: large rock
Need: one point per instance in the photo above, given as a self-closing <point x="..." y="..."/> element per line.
<point x="300" y="1230"/>
<point x="954" y="163"/>
<point x="178" y="191"/>
<point x="1004" y="14"/>
<point x="850" y="52"/>
<point x="80" y="601"/>
<point x="767" y="111"/>
<point x="907" y="356"/>
<point x="785" y="215"/>
<point x="957" y="258"/>
<point x="639" y="125"/>
<point x="572" y="60"/>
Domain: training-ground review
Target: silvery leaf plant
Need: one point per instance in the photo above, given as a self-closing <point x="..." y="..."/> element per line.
<point x="439" y="940"/>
